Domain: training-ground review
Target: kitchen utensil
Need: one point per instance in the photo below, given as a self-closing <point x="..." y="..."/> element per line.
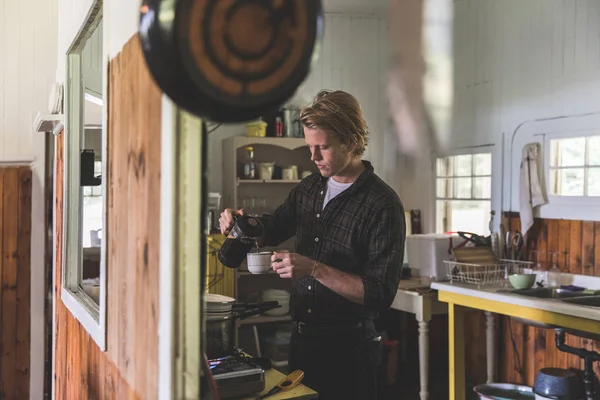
<point x="218" y="303"/>
<point x="240" y="240"/>
<point x="220" y="326"/>
<point x="280" y="296"/>
<point x="287" y="383"/>
<point x="259" y="263"/>
<point x="522" y="281"/>
<point x="265" y="171"/>
<point x="504" y="391"/>
<point x="558" y="383"/>
<point x="291" y="122"/>
<point x="287" y="174"/>
<point x="478" y="240"/>
<point x="256" y="129"/>
<point x="588" y="356"/>
<point x="230" y="61"/>
<point x="237" y="375"/>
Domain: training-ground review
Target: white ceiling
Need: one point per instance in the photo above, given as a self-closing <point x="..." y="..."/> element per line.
<point x="356" y="6"/>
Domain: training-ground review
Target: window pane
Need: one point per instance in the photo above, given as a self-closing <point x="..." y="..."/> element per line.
<point x="463" y="165"/>
<point x="440" y="216"/>
<point x="594" y="150"/>
<point x="482" y="188"/>
<point x="462" y="188"/>
<point x="482" y="164"/>
<point x="442" y="167"/>
<point x="567" y="182"/>
<point x="567" y="152"/>
<point x="444" y="188"/>
<point x="594" y="182"/>
<point x="470" y="216"/>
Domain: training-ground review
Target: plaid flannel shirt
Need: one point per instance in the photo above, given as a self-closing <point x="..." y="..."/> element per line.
<point x="361" y="231"/>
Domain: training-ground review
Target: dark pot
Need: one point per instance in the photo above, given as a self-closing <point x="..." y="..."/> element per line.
<point x="220" y="328"/>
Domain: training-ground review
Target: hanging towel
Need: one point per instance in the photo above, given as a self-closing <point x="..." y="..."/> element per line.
<point x="530" y="190"/>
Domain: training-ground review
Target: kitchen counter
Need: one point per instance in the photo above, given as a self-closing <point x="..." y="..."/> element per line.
<point x="492" y="299"/>
<point x="272" y="378"/>
<point x="495" y="293"/>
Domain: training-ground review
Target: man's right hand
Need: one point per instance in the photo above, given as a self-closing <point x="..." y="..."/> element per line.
<point x="226" y="220"/>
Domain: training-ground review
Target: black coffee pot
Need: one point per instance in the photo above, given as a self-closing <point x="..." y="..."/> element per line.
<point x="241" y="239"/>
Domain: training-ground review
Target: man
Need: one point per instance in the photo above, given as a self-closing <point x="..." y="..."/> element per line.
<point x="350" y="232"/>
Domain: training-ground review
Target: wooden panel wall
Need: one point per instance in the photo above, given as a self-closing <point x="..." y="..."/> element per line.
<point x="129" y="367"/>
<point x="534" y="348"/>
<point x="15" y="281"/>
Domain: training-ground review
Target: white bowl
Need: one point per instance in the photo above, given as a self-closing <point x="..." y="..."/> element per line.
<point x="259" y="263"/>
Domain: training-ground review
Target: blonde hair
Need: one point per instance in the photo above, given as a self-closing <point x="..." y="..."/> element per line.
<point x="339" y="113"/>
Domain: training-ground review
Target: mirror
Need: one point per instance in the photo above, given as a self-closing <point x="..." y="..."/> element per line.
<point x="92" y="166"/>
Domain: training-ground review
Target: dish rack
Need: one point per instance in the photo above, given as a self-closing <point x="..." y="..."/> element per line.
<point x="485" y="274"/>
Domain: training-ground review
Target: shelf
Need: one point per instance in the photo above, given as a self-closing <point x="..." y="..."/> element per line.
<point x="246" y="272"/>
<point x="267" y="181"/>
<point x="289" y="143"/>
<point x="261" y="319"/>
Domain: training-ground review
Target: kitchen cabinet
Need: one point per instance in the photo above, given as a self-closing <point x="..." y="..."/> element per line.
<point x="258" y="196"/>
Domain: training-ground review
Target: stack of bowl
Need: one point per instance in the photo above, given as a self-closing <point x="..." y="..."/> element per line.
<point x="281" y="296"/>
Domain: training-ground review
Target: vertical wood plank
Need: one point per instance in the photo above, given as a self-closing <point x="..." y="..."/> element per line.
<point x="587" y="248"/>
<point x="9" y="281"/>
<point x="561" y="359"/>
<point x="129" y="368"/>
<point x="23" y="295"/>
<point x="2" y="263"/>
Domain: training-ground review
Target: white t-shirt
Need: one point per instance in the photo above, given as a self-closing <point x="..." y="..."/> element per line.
<point x="333" y="189"/>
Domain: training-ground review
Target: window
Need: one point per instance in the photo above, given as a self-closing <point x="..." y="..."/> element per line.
<point x="84" y="273"/>
<point x="463" y="193"/>
<point x="574" y="166"/>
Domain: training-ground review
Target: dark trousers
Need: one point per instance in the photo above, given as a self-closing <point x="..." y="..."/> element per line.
<point x="338" y="367"/>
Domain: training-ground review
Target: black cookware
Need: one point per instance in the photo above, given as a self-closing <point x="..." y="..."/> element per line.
<point x="230" y="60"/>
<point x="220" y="326"/>
<point x="240" y="240"/>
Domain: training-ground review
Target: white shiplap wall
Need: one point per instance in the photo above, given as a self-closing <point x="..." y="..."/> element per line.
<point x="516" y="61"/>
<point x="354" y="58"/>
<point x="28" y="34"/>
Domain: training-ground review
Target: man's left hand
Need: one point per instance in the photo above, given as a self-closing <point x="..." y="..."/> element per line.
<point x="291" y="265"/>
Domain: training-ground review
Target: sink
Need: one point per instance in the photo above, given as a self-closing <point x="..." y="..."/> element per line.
<point x="590" y="301"/>
<point x="552" y="293"/>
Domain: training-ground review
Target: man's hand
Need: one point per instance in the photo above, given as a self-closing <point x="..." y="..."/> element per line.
<point x="226" y="220"/>
<point x="291" y="265"/>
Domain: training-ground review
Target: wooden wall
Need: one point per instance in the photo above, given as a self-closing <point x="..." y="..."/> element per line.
<point x="129" y="367"/>
<point x="534" y="348"/>
<point x="15" y="281"/>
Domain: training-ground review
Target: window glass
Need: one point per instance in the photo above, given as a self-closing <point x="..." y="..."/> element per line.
<point x="464" y="191"/>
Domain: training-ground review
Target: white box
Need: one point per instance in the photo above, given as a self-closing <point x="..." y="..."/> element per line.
<point x="427" y="252"/>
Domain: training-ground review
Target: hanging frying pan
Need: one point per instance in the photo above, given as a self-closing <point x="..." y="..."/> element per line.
<point x="230" y="60"/>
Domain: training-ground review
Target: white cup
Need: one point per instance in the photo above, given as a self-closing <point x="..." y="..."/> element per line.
<point x="259" y="263"/>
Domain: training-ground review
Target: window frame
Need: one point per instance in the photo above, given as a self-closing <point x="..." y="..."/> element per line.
<point x="91" y="315"/>
<point x="472" y="151"/>
<point x="554" y="199"/>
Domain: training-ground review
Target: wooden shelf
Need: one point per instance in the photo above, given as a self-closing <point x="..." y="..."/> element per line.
<point x="261" y="319"/>
<point x="246" y="273"/>
<point x="267" y="181"/>
<point x="288" y="143"/>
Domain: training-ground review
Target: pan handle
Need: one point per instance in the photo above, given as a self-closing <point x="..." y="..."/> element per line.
<point x="246" y="306"/>
<point x="259" y="310"/>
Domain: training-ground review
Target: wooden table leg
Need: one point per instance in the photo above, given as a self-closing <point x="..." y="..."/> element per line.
<point x="424" y="359"/>
<point x="456" y="337"/>
<point x="490" y="344"/>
